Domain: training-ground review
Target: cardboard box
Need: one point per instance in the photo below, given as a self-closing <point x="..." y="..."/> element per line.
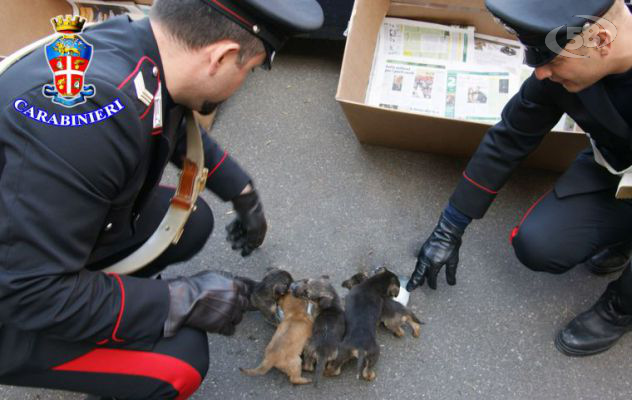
<point x="378" y="126"/>
<point x="25" y="21"/>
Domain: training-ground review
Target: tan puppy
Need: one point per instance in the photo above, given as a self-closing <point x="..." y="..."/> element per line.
<point x="285" y="348"/>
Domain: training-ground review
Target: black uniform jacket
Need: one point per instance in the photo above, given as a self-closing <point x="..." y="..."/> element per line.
<point x="530" y="115"/>
<point x="69" y="196"/>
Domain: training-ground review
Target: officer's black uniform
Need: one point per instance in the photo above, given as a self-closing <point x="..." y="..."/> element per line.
<point x="76" y="199"/>
<point x="580" y="216"/>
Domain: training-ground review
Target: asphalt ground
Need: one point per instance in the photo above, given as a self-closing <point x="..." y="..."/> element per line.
<point x="335" y="207"/>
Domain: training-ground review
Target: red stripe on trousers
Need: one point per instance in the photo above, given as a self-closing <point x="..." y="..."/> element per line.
<point x="218" y="164"/>
<point x="183" y="377"/>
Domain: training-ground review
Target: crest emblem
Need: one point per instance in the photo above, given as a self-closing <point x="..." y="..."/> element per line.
<point x="68" y="57"/>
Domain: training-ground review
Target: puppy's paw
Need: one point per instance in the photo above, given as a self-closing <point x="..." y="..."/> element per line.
<point x="368" y="375"/>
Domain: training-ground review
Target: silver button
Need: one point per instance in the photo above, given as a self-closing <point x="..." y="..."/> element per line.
<point x="108" y="226"/>
<point x="155" y="71"/>
<point x="256" y="29"/>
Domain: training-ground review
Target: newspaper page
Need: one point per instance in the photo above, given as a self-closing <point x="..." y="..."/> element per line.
<point x="445" y="90"/>
<point x="99" y="11"/>
<point x="409" y="40"/>
<point x="411" y="86"/>
<point x="479" y="95"/>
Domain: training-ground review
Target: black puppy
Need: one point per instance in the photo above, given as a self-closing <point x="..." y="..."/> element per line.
<point x="362" y="315"/>
<point x="394" y="315"/>
<point x="265" y="294"/>
<point x="329" y="326"/>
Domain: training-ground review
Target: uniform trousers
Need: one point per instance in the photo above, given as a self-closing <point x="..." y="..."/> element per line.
<point x="173" y="368"/>
<point x="560" y="232"/>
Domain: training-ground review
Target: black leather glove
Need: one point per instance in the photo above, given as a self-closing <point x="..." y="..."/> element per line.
<point x="441" y="248"/>
<point x="208" y="300"/>
<point x="248" y="229"/>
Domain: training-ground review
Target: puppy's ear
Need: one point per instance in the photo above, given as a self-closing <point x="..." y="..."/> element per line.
<point x="347" y="284"/>
<point x="325" y="302"/>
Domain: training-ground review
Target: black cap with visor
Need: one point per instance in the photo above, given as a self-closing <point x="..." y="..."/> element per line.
<point x="546" y="26"/>
<point x="272" y="21"/>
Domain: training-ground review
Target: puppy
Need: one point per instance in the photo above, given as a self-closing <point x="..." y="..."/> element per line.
<point x="362" y="315"/>
<point x="394" y="315"/>
<point x="265" y="294"/>
<point x="329" y="325"/>
<point x="285" y="347"/>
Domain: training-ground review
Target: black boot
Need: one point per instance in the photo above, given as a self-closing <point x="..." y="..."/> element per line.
<point x="611" y="259"/>
<point x="595" y="330"/>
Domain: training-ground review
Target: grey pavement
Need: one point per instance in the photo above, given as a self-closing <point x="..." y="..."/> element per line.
<point x="335" y="206"/>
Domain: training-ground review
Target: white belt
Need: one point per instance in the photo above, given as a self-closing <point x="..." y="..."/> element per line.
<point x="624" y="191"/>
<point x="192" y="182"/>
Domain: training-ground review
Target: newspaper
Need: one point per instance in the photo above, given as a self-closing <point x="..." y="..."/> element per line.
<point x="406" y="38"/>
<point x="445" y="90"/>
<point x="447" y="71"/>
<point x="99" y="11"/>
<point x="410" y="86"/>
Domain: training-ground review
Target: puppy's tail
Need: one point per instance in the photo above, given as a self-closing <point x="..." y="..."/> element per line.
<point x="260" y="370"/>
<point x="321" y="362"/>
<point x="320" y="369"/>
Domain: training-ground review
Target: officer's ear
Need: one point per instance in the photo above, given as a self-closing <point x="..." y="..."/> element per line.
<point x="604" y="41"/>
<point x="219" y="54"/>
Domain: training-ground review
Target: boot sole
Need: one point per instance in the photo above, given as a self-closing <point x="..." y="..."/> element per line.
<point x="569" y="351"/>
<point x="597" y="270"/>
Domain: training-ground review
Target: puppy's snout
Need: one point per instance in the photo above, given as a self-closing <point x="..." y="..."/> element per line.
<point x="295" y="288"/>
<point x="393" y="290"/>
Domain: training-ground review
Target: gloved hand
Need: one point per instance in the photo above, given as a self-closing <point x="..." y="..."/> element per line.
<point x="441" y="248"/>
<point x="208" y="300"/>
<point x="248" y="229"/>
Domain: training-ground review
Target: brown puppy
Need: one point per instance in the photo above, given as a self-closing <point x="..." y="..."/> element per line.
<point x="329" y="325"/>
<point x="394" y="315"/>
<point x="266" y="293"/>
<point x="285" y="347"/>
<point x="362" y="315"/>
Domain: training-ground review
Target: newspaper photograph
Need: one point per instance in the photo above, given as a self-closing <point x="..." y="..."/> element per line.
<point x="99" y="11"/>
<point x="407" y="38"/>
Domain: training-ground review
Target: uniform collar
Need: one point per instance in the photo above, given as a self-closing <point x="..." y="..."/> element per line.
<point x="145" y="35"/>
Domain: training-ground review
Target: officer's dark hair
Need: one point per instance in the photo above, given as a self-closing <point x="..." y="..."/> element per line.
<point x="195" y="24"/>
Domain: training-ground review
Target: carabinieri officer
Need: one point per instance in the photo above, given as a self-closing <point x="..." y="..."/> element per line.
<point x="582" y="54"/>
<point x="88" y="125"/>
